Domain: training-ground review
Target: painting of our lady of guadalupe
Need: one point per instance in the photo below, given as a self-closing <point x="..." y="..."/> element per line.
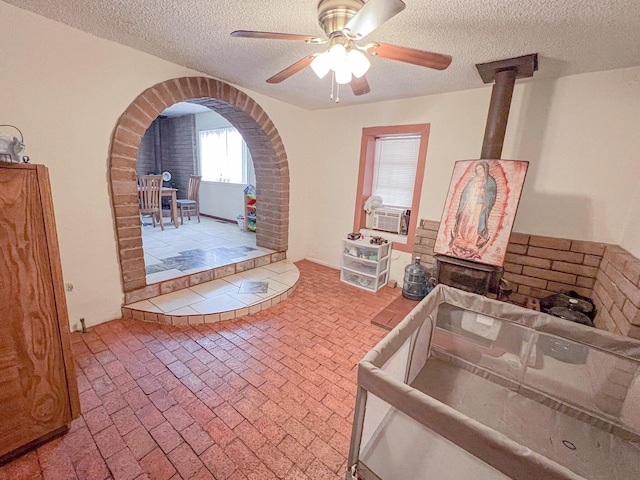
<point x="480" y="210"/>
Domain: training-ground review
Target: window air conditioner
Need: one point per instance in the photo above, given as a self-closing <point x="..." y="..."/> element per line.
<point x="387" y="219"/>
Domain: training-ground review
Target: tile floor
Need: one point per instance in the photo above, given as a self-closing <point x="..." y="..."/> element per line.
<point x="233" y="293"/>
<point x="267" y="396"/>
<point x="195" y="247"/>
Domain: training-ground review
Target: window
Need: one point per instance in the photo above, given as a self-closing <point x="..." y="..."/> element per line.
<point x="394" y="175"/>
<point x="224" y="156"/>
<point x="392" y="161"/>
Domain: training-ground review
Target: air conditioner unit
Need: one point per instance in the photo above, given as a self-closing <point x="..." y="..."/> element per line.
<point x="387" y="219"/>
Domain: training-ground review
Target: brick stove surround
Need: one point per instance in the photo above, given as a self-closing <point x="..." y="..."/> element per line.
<point x="538" y="266"/>
<point x="617" y="292"/>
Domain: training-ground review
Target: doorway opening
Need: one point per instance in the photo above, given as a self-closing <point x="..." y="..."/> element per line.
<point x="192" y="144"/>
<point x="269" y="161"/>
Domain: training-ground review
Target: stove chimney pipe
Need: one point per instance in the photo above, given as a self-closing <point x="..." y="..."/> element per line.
<point x="504" y="74"/>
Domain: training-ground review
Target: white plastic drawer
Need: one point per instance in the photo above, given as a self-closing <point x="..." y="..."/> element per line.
<point x="384" y="250"/>
<point x="362" y="252"/>
<point x="367" y="267"/>
<point x="363" y="281"/>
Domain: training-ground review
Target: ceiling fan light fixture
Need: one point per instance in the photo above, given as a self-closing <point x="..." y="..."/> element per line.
<point x="321" y="64"/>
<point x="358" y="63"/>
<point x="343" y="73"/>
<point x="338" y="54"/>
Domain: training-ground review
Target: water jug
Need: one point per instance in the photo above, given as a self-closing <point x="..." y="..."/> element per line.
<point x="415" y="285"/>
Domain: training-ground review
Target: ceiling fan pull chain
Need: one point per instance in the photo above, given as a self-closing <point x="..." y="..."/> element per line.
<point x="331" y="96"/>
<point x="333" y="87"/>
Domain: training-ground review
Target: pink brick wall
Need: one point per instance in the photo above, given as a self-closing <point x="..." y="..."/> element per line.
<point x="538" y="266"/>
<point x="146" y="153"/>
<point x="617" y="292"/>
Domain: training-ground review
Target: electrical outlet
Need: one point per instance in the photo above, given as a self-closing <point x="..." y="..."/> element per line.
<point x="68" y="287"/>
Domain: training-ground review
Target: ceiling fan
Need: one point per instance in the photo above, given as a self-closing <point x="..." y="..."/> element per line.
<point x="347" y="22"/>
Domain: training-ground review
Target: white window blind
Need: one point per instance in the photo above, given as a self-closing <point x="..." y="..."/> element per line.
<point x="223" y="156"/>
<point x="395" y="164"/>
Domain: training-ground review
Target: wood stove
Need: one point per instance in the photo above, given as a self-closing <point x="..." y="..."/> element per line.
<point x="464" y="274"/>
<point x="468" y="276"/>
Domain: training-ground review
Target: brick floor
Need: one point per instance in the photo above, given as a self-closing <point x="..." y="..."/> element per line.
<point x="269" y="395"/>
<point x="394" y="313"/>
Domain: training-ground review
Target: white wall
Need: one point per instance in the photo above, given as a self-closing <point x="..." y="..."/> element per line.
<point x="222" y="200"/>
<point x="579" y="133"/>
<point x="631" y="236"/>
<point x="65" y="90"/>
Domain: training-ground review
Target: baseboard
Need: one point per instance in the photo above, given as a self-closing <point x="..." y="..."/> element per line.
<point x="220" y="219"/>
<point x="320" y="262"/>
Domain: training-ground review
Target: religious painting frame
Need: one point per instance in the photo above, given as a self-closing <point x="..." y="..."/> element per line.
<point x="480" y="210"/>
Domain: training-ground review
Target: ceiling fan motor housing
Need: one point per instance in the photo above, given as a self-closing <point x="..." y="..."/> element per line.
<point x="333" y="15"/>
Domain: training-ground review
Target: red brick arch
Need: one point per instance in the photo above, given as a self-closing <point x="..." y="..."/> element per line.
<point x="260" y="134"/>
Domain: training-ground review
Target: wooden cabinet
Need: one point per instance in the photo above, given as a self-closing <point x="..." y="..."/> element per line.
<point x="365" y="265"/>
<point x="38" y="386"/>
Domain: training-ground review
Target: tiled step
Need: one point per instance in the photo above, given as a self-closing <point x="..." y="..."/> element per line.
<point x="223" y="299"/>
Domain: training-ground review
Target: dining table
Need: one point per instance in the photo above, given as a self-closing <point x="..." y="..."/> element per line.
<point x="172" y="192"/>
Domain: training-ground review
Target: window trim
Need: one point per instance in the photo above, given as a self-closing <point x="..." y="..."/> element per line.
<point x="366" y="168"/>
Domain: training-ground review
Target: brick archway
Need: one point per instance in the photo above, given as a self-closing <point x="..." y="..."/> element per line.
<point x="260" y="134"/>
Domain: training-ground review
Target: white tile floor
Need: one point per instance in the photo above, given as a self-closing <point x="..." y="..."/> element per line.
<point x="224" y="295"/>
<point x="195" y="247"/>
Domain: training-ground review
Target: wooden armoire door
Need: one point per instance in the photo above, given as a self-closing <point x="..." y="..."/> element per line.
<point x="38" y="387"/>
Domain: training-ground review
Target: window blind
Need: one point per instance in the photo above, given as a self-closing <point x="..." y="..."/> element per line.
<point x="395" y="165"/>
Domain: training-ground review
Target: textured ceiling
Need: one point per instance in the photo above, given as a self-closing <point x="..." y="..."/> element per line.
<point x="570" y="36"/>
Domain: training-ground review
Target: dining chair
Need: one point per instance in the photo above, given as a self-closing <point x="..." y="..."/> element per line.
<point x="192" y="202"/>
<point x="150" y="197"/>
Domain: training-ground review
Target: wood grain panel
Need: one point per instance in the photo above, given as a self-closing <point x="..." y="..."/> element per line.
<point x="58" y="288"/>
<point x="34" y="397"/>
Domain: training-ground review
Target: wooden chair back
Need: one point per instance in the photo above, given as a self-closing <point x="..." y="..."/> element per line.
<point x="193" y="188"/>
<point x="150" y="193"/>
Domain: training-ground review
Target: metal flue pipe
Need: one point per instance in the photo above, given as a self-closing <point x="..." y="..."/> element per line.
<point x="498" y="116"/>
<point x="503" y="74"/>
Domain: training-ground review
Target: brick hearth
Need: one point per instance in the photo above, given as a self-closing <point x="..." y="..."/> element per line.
<point x="538" y="266"/>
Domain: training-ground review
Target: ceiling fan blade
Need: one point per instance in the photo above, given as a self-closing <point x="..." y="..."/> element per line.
<point x="360" y="86"/>
<point x="373" y="14"/>
<point x="421" y="58"/>
<point x="292" y="69"/>
<point x="278" y="36"/>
